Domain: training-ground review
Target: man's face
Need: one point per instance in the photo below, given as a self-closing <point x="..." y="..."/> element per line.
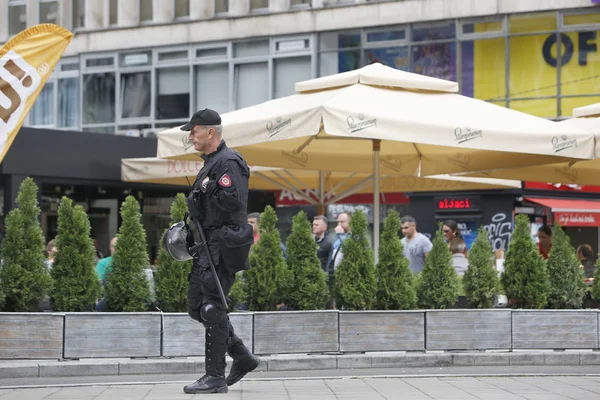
<point x="545" y="240"/>
<point x="408" y="229"/>
<point x="254" y="223"/>
<point x="318" y="227"/>
<point x="201" y="137"/>
<point x="344" y="222"/>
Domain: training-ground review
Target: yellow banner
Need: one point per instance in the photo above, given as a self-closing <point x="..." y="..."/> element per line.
<point x="26" y="63"/>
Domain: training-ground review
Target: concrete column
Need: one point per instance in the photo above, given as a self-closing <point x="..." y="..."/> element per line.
<point x="129" y="12"/>
<point x="163" y="11"/>
<point x="33" y="12"/>
<point x="203" y="9"/>
<point x="3" y="21"/>
<point x="279" y="5"/>
<point x="95" y="17"/>
<point x="65" y="14"/>
<point x="239" y="7"/>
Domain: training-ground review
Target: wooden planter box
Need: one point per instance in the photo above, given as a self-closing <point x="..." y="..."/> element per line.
<point x="468" y="329"/>
<point x="31" y="335"/>
<point x="184" y="337"/>
<point x="112" y="335"/>
<point x="555" y="329"/>
<point x="382" y="331"/>
<point x="296" y="332"/>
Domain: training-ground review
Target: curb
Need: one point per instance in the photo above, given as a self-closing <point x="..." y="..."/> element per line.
<point x="195" y="365"/>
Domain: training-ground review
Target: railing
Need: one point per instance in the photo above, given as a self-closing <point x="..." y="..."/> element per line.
<point x="92" y="335"/>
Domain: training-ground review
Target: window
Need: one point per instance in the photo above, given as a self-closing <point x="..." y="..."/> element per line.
<point x="182" y="8"/>
<point x="173" y="93"/>
<point x="68" y="103"/>
<point x="251" y="48"/>
<point x="437" y="60"/>
<point x="17" y="17"/>
<point x="287" y="72"/>
<point x="42" y="112"/>
<point x="251" y="84"/>
<point x="135" y="59"/>
<point x="99" y="98"/>
<point x="135" y="94"/>
<point x="113" y="12"/>
<point x="335" y="40"/>
<point x="395" y="57"/>
<point x="296" y="3"/>
<point x="212" y="87"/>
<point x="259" y="4"/>
<point x="221" y="6"/>
<point x="78" y="14"/>
<point x="48" y="12"/>
<point x="385" y="36"/>
<point x="336" y="62"/>
<point x="483" y="69"/>
<point x="211" y="53"/>
<point x="145" y="10"/>
<point x="172" y="55"/>
<point x="424" y="33"/>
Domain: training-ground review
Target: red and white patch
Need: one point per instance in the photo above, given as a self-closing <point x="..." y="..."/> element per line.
<point x="225" y="181"/>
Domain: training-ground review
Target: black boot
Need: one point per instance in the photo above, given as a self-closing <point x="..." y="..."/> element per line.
<point x="243" y="360"/>
<point x="215" y="349"/>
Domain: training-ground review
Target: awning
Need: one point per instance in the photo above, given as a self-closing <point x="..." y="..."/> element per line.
<point x="572" y="212"/>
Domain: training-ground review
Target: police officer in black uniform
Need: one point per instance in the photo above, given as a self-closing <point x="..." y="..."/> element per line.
<point x="219" y="201"/>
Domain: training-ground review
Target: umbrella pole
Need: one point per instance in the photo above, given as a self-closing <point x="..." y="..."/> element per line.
<point x="376" y="148"/>
<point x="321" y="206"/>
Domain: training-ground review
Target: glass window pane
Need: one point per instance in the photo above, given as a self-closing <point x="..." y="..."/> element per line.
<point x="582" y="19"/>
<point x="545" y="108"/>
<point x="98" y="98"/>
<point x="218" y="52"/>
<point x="258" y="4"/>
<point x="42" y="112"/>
<point x="523" y="23"/>
<point x="135" y="95"/>
<point x="145" y="10"/>
<point x="580" y="66"/>
<point x="182" y="8"/>
<point x="173" y="55"/>
<point x="567" y="104"/>
<point x="287" y="72"/>
<point x="221" y="6"/>
<point x="251" y="84"/>
<point x="334" y="40"/>
<point x="437" y="60"/>
<point x="254" y="48"/>
<point x="299" y="2"/>
<point x="212" y="87"/>
<point x="343" y="61"/>
<point x="113" y="12"/>
<point x="49" y="12"/>
<point x="483" y="70"/>
<point x="68" y="103"/>
<point x="99" y="62"/>
<point x="100" y="129"/>
<point x="78" y="13"/>
<point x="482" y="27"/>
<point x="383" y="36"/>
<point x="434" y="32"/>
<point x="135" y="59"/>
<point x="530" y="74"/>
<point x="173" y="93"/>
<point x="395" y="57"/>
<point x="17" y="19"/>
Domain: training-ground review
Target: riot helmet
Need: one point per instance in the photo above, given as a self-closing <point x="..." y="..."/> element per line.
<point x="174" y="242"/>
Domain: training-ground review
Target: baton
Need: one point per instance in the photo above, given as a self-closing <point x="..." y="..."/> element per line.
<point x="210" y="260"/>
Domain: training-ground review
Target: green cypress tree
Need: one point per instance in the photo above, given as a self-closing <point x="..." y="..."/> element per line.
<point x="266" y="283"/>
<point x="355" y="284"/>
<point x="171" y="278"/>
<point x="395" y="283"/>
<point x="480" y="281"/>
<point x="76" y="285"/>
<point x="309" y="281"/>
<point x="525" y="278"/>
<point x="567" y="280"/>
<point x="23" y="277"/>
<point x="439" y="282"/>
<point x="127" y="288"/>
<point x="236" y="294"/>
<point x="595" y="288"/>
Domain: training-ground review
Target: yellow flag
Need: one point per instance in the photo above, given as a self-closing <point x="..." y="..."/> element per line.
<point x="26" y="63"/>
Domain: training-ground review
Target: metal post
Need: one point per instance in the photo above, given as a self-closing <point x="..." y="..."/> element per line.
<point x="376" y="148"/>
<point x="321" y="207"/>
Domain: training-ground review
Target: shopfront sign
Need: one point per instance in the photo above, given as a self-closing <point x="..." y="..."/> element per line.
<point x="580" y="219"/>
<point x="457" y="203"/>
<point x="286" y="198"/>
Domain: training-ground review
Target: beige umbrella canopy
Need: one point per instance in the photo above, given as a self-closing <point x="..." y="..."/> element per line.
<point x="584" y="172"/>
<point x="337" y="185"/>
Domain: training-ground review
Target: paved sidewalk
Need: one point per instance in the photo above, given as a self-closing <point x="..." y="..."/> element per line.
<point x="467" y="388"/>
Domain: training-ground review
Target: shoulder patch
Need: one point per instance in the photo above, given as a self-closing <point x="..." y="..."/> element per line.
<point x="225" y="181"/>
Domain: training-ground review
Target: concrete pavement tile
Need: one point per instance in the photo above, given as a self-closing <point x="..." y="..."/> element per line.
<point x="76" y="393"/>
<point x="78" y="368"/>
<point x="135" y="367"/>
<point x="302" y="364"/>
<point x="351" y="361"/>
<point x="428" y="360"/>
<point x="592" y="358"/>
<point x="29" y="394"/>
<point x="19" y="370"/>
<point x="388" y="361"/>
<point x="561" y="358"/>
<point x="527" y="359"/>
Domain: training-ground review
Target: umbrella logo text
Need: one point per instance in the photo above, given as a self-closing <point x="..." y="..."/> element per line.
<point x="298" y="158"/>
<point x="570" y="173"/>
<point x="395" y="164"/>
<point x="563" y="143"/>
<point x="278" y="126"/>
<point x="467" y="134"/>
<point x="18" y="81"/>
<point x="360" y="123"/>
<point x="460" y="160"/>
